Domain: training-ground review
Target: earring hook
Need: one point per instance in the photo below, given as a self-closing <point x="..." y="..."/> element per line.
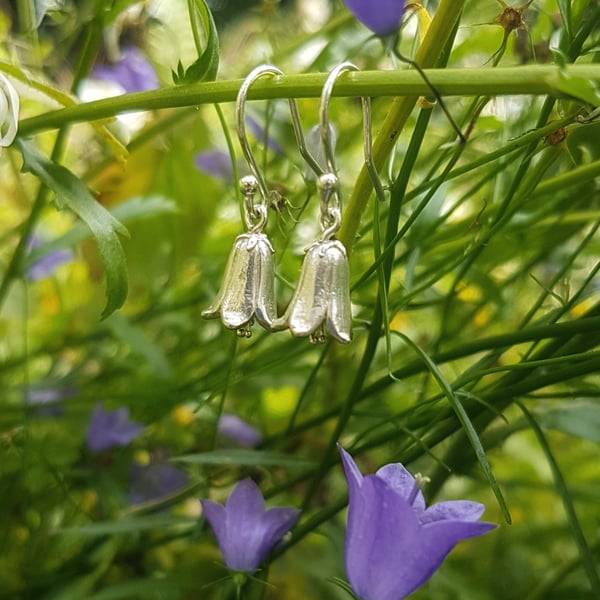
<point x="331" y="215"/>
<point x="255" y="74"/>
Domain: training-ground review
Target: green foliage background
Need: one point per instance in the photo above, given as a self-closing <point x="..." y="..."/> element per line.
<point x="475" y="353"/>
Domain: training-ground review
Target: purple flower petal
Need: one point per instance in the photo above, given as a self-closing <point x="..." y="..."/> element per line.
<point x="436" y="540"/>
<point x="108" y="429"/>
<point x="237" y="430"/>
<point x="259" y="133"/>
<point x="216" y="164"/>
<point x="379" y="550"/>
<point x="382" y="17"/>
<point x="245" y="532"/>
<point x="48" y="400"/>
<point x="133" y="72"/>
<point x="393" y="543"/>
<point x="399" y="479"/>
<point x="46" y="265"/>
<point x="456" y="510"/>
<point x="152" y="482"/>
<point x="353" y="474"/>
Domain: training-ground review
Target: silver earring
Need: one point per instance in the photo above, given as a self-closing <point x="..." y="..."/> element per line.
<point x="248" y="289"/>
<point x="321" y="301"/>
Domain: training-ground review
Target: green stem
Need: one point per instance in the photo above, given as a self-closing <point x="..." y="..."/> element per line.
<point x="585" y="553"/>
<point x="528" y="80"/>
<point x="440" y="30"/>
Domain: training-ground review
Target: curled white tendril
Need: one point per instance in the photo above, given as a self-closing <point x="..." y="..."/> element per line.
<point x="9" y="112"/>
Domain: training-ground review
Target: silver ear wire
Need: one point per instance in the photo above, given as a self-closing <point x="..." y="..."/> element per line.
<point x="325" y="129"/>
<point x="241" y="127"/>
<point x="321" y="301"/>
<point x="240" y="108"/>
<point x="247" y="292"/>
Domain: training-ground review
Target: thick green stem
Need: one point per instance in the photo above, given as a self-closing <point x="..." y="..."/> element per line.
<point x="427" y="56"/>
<point x="528" y="80"/>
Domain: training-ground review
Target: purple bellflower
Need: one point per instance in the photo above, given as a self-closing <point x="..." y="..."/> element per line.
<point x="215" y="164"/>
<point x="110" y="428"/>
<point x="133" y="72"/>
<point x="234" y="429"/>
<point x="47" y="401"/>
<point x="394" y="543"/>
<point x="382" y="17"/>
<point x="260" y="134"/>
<point x="151" y="482"/>
<point x="46" y="265"/>
<point x="245" y="531"/>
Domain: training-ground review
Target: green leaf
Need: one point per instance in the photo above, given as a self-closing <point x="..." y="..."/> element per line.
<point x="586" y="556"/>
<point x="466" y="423"/>
<point x="564" y="6"/>
<point x="140" y="344"/>
<point x="206" y="66"/>
<point x="72" y="193"/>
<point x="126" y="526"/>
<point x="581" y="419"/>
<point x="134" y="209"/>
<point x="580" y="88"/>
<point x="140" y="589"/>
<point x="244" y="457"/>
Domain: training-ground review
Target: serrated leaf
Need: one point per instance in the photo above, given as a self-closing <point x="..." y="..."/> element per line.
<point x="244" y="457"/>
<point x="206" y="66"/>
<point x="71" y="192"/>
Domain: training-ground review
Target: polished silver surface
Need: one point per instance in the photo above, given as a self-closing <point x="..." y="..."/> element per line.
<point x="321" y="300"/>
<point x="248" y="289"/>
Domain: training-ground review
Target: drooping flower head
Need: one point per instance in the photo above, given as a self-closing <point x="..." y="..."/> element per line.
<point x="245" y="531"/>
<point x="394" y="543"/>
<point x="110" y="428"/>
<point x="382" y="17"/>
<point x="235" y="429"/>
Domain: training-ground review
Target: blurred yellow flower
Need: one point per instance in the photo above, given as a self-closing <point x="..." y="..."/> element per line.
<point x="279" y="402"/>
<point x="182" y="415"/>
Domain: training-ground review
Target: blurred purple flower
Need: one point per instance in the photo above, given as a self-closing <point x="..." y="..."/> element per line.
<point x="394" y="543"/>
<point x="110" y="428"/>
<point x="47" y="400"/>
<point x="382" y="17"/>
<point x="259" y="132"/>
<point x="152" y="482"/>
<point x="237" y="430"/>
<point x="133" y="72"/>
<point x="216" y="164"/>
<point x="245" y="532"/>
<point x="46" y="265"/>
